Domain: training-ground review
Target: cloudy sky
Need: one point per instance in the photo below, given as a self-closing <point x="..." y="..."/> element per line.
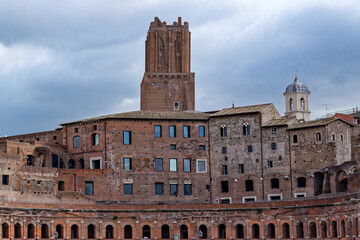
<point x="67" y="60"/>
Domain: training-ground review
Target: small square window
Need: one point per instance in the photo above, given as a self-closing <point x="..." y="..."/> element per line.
<point x="76" y="130"/>
<point x="201" y="147"/>
<point x="89" y="188"/>
<point x="172" y="146"/>
<point x="158" y="164"/>
<point x="176" y="105"/>
<point x="127" y="164"/>
<point x="186" y="131"/>
<point x="95" y="127"/>
<point x="273" y="146"/>
<point x="201" y="166"/>
<point x="224" y="170"/>
<point x="127" y="137"/>
<point x="157" y="131"/>
<point x="250" y="148"/>
<point x="95" y="163"/>
<point x="54" y="137"/>
<point x="341" y="138"/>
<point x="172" y="131"/>
<point x="224" y="150"/>
<point x="201" y="131"/>
<point x="5" y="179"/>
<point x="241" y="168"/>
<point x="174" y="189"/>
<point x="128" y="189"/>
<point x="187" y="165"/>
<point x="274" y="197"/>
<point x="61" y="186"/>
<point x="269" y="164"/>
<point x="273" y="131"/>
<point x="187" y="189"/>
<point x="159" y="188"/>
<point x="173" y="164"/>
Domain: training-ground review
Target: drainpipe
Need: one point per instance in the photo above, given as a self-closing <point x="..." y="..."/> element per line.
<point x="209" y="154"/>
<point x="291" y="179"/>
<point x="105" y="154"/>
<point x="262" y="160"/>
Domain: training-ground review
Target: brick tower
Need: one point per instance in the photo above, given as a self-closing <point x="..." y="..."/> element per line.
<point x="168" y="84"/>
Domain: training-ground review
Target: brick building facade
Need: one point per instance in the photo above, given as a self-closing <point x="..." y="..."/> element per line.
<point x="168" y="171"/>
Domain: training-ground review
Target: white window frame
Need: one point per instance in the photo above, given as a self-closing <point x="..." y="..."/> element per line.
<point x="178" y="105"/>
<point x="197" y="166"/>
<point x="296" y="195"/>
<point x="248" y="197"/>
<point x="275" y="195"/>
<point x="226" y="198"/>
<point x="94" y="159"/>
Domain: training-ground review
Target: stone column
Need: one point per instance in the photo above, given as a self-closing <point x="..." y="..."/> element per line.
<point x="118" y="230"/>
<point x="229" y="231"/>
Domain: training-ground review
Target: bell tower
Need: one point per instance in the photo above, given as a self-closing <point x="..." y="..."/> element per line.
<point x="168" y="84"/>
<point x="297" y="100"/>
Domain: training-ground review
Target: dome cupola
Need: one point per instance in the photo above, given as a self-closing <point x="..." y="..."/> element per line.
<point x="297" y="86"/>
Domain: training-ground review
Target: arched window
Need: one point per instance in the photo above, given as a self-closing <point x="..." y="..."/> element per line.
<point x="146" y="231"/>
<point x="17" y="230"/>
<point x="295" y="138"/>
<point x="246" y="129"/>
<point x="302" y="103"/>
<point x="300" y="230"/>
<point x="223" y="131"/>
<point x="249" y="185"/>
<point x="255" y="231"/>
<point x="343" y="228"/>
<point x="184" y="232"/>
<point x="71" y="164"/>
<point x="273" y="146"/>
<point x="74" y="231"/>
<point x="301" y="182"/>
<point x="271" y="230"/>
<point x="334" y="229"/>
<point x="81" y="164"/>
<point x="274" y="182"/>
<point x="318" y="137"/>
<point x="31" y="231"/>
<point x="5" y="230"/>
<point x="60" y="231"/>
<point x="313" y="230"/>
<point x="323" y="230"/>
<point x="91" y="231"/>
<point x="291" y="104"/>
<point x="109" y="232"/>
<point x="239" y="231"/>
<point x="95" y="139"/>
<point x="285" y="230"/>
<point x="203" y="232"/>
<point x="127" y="232"/>
<point x="44" y="231"/>
<point x="76" y="141"/>
<point x="222" y="231"/>
<point x="341" y="181"/>
<point x="165" y="232"/>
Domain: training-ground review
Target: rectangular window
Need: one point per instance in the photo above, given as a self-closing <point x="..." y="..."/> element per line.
<point x="201" y="166"/>
<point x="128" y="189"/>
<point x="159" y="188"/>
<point x="159" y="164"/>
<point x="61" y="186"/>
<point x="187" y="165"/>
<point x="273" y="131"/>
<point x="173" y="164"/>
<point x="5" y="180"/>
<point x="224" y="186"/>
<point x="172" y="131"/>
<point x="274" y="197"/>
<point x="95" y="163"/>
<point x="127" y="137"/>
<point x="187" y="189"/>
<point x="186" y="131"/>
<point x="172" y="146"/>
<point x="174" y="189"/>
<point x="201" y="147"/>
<point x="176" y="105"/>
<point x="201" y="131"/>
<point x="269" y="164"/>
<point x="224" y="170"/>
<point x="241" y="168"/>
<point x="127" y="164"/>
<point x="157" y="129"/>
<point x="224" y="150"/>
<point x="76" y="142"/>
<point x="249" y="199"/>
<point x="250" y="148"/>
<point x="89" y="188"/>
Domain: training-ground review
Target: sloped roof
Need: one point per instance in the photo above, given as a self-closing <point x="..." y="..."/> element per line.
<point x="155" y="115"/>
<point x="316" y="123"/>
<point x="242" y="110"/>
<point x="283" y="121"/>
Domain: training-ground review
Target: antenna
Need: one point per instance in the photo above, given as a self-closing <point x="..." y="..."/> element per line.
<point x="233" y="104"/>
<point x="326" y="108"/>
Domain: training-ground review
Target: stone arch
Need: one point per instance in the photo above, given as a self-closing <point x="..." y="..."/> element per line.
<point x="240" y="231"/>
<point x="44" y="230"/>
<point x="222" y="231"/>
<point x="109" y="231"/>
<point x="285" y="230"/>
<point x="184" y="232"/>
<point x="312" y="230"/>
<point x="203" y="230"/>
<point x="128" y="231"/>
<point x="341" y="181"/>
<point x="91" y="232"/>
<point x="5" y="230"/>
<point x="270" y="233"/>
<point x="60" y="230"/>
<point x="300" y="230"/>
<point x="146" y="231"/>
<point x="334" y="229"/>
<point x="74" y="231"/>
<point x="342" y="228"/>
<point x="30" y="230"/>
<point x="17" y="230"/>
<point x="165" y="231"/>
<point x="323" y="230"/>
<point x="255" y="230"/>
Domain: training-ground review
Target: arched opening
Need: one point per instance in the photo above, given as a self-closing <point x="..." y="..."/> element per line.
<point x="291" y="104"/>
<point x="222" y="231"/>
<point x="5" y="230"/>
<point x="239" y="231"/>
<point x="273" y="146"/>
<point x="184" y="232"/>
<point x="17" y="230"/>
<point x="323" y="230"/>
<point x="271" y="230"/>
<point x="81" y="164"/>
<point x="334" y="229"/>
<point x="146" y="231"/>
<point x="285" y="230"/>
<point x="300" y="230"/>
<point x="95" y="139"/>
<point x="356" y="227"/>
<point x="128" y="232"/>
<point x="343" y="228"/>
<point x="302" y="104"/>
<point x="31" y="231"/>
<point x="74" y="232"/>
<point x="60" y="231"/>
<point x="30" y="160"/>
<point x="312" y="230"/>
<point x="109" y="232"/>
<point x="318" y="137"/>
<point x="249" y="185"/>
<point x="223" y="131"/>
<point x="246" y="129"/>
<point x="165" y="232"/>
<point x="341" y="181"/>
<point x="71" y="164"/>
<point x="255" y="231"/>
<point x="295" y="138"/>
<point x="91" y="231"/>
<point x="318" y="183"/>
<point x="44" y="231"/>
<point x="203" y="232"/>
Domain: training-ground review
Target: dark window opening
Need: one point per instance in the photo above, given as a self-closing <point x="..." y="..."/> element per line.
<point x="95" y="139"/>
<point x="184" y="232"/>
<point x="44" y="231"/>
<point x="159" y="164"/>
<point x="30" y="160"/>
<point x="172" y="146"/>
<point x="5" y="180"/>
<point x="127" y="232"/>
<point x="300" y="230"/>
<point x="109" y="234"/>
<point x="224" y="150"/>
<point x="318" y="137"/>
<point x="74" y="231"/>
<point x="241" y="168"/>
<point x="89" y="188"/>
<point x="323" y="230"/>
<point x="271" y="230"/>
<point x="81" y="164"/>
<point x="222" y="231"/>
<point x="71" y="164"/>
<point x="174" y="189"/>
<point x="295" y="138"/>
<point x="159" y="188"/>
<point x="274" y="182"/>
<point x="301" y="182"/>
<point x="318" y="183"/>
<point x="146" y="231"/>
<point x="270" y="164"/>
<point x="203" y="232"/>
<point x="224" y="186"/>
<point x="334" y="229"/>
<point x="96" y="164"/>
<point x="223" y="131"/>
<point x="255" y="231"/>
<point x="94" y="127"/>
<point x="275" y="198"/>
<point x="76" y="130"/>
<point x="201" y="147"/>
<point x="246" y="129"/>
<point x="31" y="231"/>
<point x="312" y="227"/>
<point x="224" y="170"/>
<point x="240" y="231"/>
<point x="57" y="162"/>
<point x="60" y="231"/>
<point x="61" y="186"/>
<point x="285" y="230"/>
<point x="17" y="230"/>
<point x="250" y="148"/>
<point x="187" y="189"/>
<point x="273" y="131"/>
<point x="273" y="146"/>
<point x="128" y="189"/>
<point x="249" y="186"/>
<point x="91" y="231"/>
<point x="165" y="232"/>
